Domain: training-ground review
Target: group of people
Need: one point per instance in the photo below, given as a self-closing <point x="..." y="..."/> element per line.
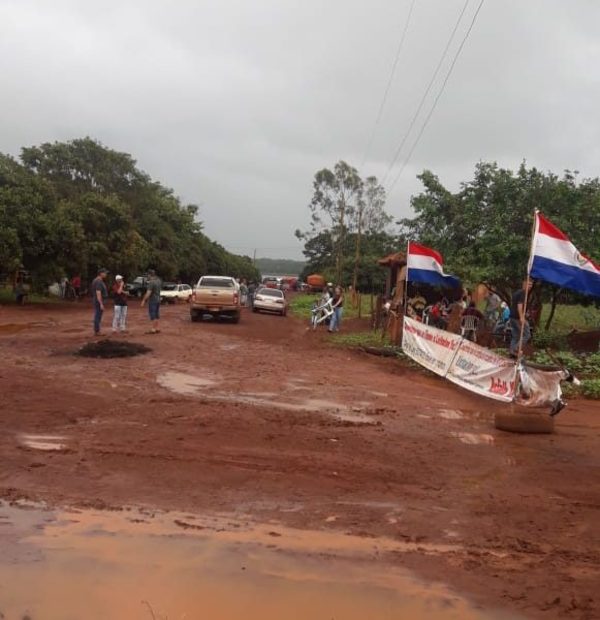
<point x="247" y="292"/>
<point x="120" y="305"/>
<point x="497" y="315"/>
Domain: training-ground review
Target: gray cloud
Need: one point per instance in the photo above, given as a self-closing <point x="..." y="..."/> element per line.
<point x="236" y="104"/>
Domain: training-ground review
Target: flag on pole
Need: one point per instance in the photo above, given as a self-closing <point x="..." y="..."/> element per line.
<point x="556" y="260"/>
<point x="426" y="265"/>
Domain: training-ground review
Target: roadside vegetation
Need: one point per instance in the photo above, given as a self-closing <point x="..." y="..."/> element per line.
<point x="302" y="303"/>
<point x="71" y="208"/>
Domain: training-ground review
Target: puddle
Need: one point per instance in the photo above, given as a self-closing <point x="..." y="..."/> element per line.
<point x="184" y="384"/>
<point x="190" y="385"/>
<point x="229" y="347"/>
<point x="127" y="565"/>
<point x="451" y="414"/>
<point x="43" y="442"/>
<point x="474" y="438"/>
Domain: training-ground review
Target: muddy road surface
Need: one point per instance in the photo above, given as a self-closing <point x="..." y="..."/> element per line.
<point x="393" y="481"/>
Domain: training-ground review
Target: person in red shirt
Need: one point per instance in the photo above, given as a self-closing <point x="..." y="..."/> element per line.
<point x="76" y="284"/>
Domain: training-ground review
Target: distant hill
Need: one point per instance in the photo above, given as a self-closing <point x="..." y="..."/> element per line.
<point x="279" y="266"/>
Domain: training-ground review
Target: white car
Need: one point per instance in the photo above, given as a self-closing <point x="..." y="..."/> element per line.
<point x="271" y="300"/>
<point x="172" y="293"/>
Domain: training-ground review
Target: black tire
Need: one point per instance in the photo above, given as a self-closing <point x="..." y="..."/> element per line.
<point x="532" y="422"/>
<point x="195" y="316"/>
<point x="236" y="318"/>
<point x="255" y="310"/>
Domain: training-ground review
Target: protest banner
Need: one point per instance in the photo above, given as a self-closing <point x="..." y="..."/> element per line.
<point x="482" y="371"/>
<point x="431" y="347"/>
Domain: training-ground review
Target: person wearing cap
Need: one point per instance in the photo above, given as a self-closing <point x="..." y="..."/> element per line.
<point x="152" y="296"/>
<point x="99" y="294"/>
<point x="119" y="323"/>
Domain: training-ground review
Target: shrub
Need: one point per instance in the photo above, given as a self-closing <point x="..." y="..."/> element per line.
<point x="590" y="388"/>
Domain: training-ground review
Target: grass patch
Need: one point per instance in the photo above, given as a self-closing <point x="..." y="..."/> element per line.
<point x="568" y="318"/>
<point x="302" y="303"/>
<point x="361" y="339"/>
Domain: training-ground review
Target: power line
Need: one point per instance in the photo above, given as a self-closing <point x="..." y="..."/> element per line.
<point x="389" y="83"/>
<point x="423" y="127"/>
<point x="424" y="97"/>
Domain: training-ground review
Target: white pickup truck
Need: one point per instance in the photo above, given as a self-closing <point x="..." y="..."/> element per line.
<point x="217" y="296"/>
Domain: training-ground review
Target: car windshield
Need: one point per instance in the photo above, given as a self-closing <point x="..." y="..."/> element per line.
<point x="169" y="287"/>
<point x="215" y="283"/>
<point x="270" y="292"/>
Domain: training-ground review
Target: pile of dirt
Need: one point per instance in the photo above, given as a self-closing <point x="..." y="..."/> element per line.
<point x="113" y="348"/>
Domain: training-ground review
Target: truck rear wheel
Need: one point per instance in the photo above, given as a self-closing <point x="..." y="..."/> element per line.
<point x="236" y="317"/>
<point x="195" y="316"/>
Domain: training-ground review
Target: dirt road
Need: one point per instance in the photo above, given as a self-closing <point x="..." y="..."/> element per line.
<point x="267" y="420"/>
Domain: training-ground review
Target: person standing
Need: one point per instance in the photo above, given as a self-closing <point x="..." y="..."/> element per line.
<point x="338" y="308"/>
<point x="76" y="284"/>
<point x="251" y="293"/>
<point x="152" y="296"/>
<point x="518" y="320"/>
<point x="119" y="323"/>
<point x="243" y="293"/>
<point x="492" y="307"/>
<point x="99" y="294"/>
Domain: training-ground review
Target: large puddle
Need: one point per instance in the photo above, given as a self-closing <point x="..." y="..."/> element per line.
<point x="207" y="387"/>
<point x="74" y="564"/>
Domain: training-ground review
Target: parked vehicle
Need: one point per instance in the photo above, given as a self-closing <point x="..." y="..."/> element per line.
<point x="316" y="283"/>
<point x="271" y="281"/>
<point x="217" y="296"/>
<point x="270" y="300"/>
<point x="172" y="292"/>
<point x="138" y="287"/>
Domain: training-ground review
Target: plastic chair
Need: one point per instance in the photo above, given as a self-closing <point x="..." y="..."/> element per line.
<point x="468" y="326"/>
<point x="427" y="315"/>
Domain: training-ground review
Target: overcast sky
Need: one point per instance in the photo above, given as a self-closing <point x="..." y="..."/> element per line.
<point x="237" y="103"/>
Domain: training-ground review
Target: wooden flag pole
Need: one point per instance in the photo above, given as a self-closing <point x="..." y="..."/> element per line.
<point x="528" y="280"/>
<point x="405" y="300"/>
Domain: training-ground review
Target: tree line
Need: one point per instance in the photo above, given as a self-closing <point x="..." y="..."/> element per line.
<point x="72" y="207"/>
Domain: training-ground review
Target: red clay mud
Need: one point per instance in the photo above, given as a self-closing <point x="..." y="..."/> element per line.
<point x="267" y="421"/>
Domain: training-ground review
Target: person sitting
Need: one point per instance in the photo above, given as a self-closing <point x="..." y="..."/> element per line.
<point x="437" y="316"/>
<point x="471" y="310"/>
<point x="417" y="303"/>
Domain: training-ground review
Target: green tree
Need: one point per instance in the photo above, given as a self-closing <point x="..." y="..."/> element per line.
<point x="336" y="196"/>
<point x="484" y="229"/>
<point x="75" y="206"/>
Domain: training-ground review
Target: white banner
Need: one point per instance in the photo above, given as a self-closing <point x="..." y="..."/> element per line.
<point x="431" y="347"/>
<point x="482" y="371"/>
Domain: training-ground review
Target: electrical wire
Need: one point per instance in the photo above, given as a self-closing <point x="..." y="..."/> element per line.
<point x="424" y="97"/>
<point x="389" y="83"/>
<point x="423" y="127"/>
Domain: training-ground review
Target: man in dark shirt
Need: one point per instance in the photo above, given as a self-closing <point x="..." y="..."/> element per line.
<point x="152" y="296"/>
<point x="517" y="318"/>
<point x="473" y="311"/>
<point x="99" y="294"/>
